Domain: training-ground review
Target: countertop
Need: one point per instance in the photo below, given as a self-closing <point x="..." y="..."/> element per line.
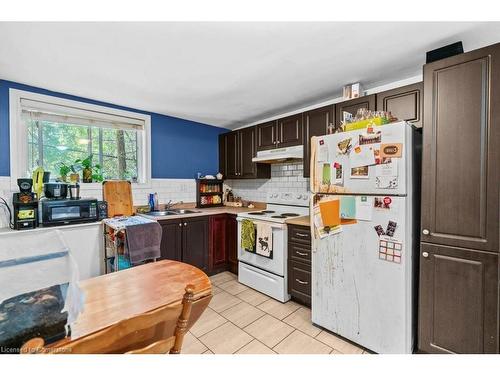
<point x="301" y="220"/>
<point x="205" y="212"/>
<point x="7" y="230"/>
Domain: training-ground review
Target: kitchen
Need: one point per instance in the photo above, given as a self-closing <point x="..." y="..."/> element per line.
<point x="336" y="225"/>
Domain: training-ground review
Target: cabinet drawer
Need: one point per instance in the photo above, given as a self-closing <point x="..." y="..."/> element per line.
<point x="299" y="281"/>
<point x="299" y="234"/>
<point x="299" y="252"/>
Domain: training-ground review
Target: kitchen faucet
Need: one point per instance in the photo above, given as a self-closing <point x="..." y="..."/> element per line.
<point x="170" y="204"/>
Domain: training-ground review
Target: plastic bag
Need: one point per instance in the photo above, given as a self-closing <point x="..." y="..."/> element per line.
<point x="37" y="269"/>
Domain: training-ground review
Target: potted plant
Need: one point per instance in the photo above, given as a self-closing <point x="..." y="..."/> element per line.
<point x="97" y="175"/>
<point x="88" y="169"/>
<point x="63" y="171"/>
<point x="74" y="177"/>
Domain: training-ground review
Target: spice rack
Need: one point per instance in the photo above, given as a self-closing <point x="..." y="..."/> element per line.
<point x="209" y="193"/>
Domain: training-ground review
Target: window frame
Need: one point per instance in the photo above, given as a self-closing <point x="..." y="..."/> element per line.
<point x="18" y="134"/>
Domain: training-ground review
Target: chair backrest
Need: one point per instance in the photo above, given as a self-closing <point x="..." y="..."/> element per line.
<point x="159" y="331"/>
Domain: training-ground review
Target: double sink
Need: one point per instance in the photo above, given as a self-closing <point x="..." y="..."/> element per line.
<point x="171" y="212"/>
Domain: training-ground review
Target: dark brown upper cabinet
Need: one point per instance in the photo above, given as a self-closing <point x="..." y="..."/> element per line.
<point x="248" y="168"/>
<point x="458" y="307"/>
<point x="316" y="123"/>
<point x="229" y="158"/>
<point x="236" y="153"/>
<point x="284" y="132"/>
<point x="405" y="103"/>
<point x="267" y="136"/>
<point x="461" y="150"/>
<point x="290" y="131"/>
<point x="352" y="107"/>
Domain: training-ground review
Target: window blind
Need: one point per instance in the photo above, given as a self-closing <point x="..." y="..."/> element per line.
<point x="43" y="111"/>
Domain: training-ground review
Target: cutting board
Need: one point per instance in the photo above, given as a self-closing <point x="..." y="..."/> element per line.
<point x="118" y="194"/>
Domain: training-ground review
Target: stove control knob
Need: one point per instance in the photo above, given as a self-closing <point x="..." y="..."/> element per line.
<point x="299" y="196"/>
<point x="304" y="197"/>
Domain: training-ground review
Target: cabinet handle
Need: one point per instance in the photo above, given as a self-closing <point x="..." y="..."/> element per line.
<point x="300" y="253"/>
<point x="180" y="224"/>
<point x="185" y="224"/>
<point x="425" y="254"/>
<point x="301" y="282"/>
<point x="301" y="235"/>
<point x="425" y="231"/>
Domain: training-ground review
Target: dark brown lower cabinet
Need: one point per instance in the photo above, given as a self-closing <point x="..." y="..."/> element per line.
<point x="299" y="264"/>
<point x="171" y="239"/>
<point x="459" y="294"/>
<point x="217" y="244"/>
<point x="195" y="242"/>
<point x="186" y="240"/>
<point x="232" y="243"/>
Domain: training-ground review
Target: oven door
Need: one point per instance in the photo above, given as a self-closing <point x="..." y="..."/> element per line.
<point x="276" y="265"/>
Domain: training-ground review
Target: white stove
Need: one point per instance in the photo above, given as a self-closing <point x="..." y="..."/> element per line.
<point x="280" y="207"/>
<point x="269" y="275"/>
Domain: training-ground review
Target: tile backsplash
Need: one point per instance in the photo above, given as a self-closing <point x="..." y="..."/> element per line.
<point x="167" y="189"/>
<point x="285" y="177"/>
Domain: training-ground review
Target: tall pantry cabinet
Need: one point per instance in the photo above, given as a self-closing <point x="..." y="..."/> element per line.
<point x="459" y="251"/>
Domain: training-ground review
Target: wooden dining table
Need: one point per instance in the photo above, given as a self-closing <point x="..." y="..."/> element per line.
<point x="120" y="295"/>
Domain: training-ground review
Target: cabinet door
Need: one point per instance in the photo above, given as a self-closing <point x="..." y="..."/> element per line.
<point x="217" y="245"/>
<point x="290" y="131"/>
<point x="232" y="155"/>
<point x="266" y="136"/>
<point x="195" y="242"/>
<point x="461" y="150"/>
<point x="171" y="240"/>
<point x="352" y="106"/>
<point x="222" y="155"/>
<point x="315" y="124"/>
<point x="405" y="103"/>
<point x="458" y="309"/>
<point x="247" y="152"/>
<point x="232" y="244"/>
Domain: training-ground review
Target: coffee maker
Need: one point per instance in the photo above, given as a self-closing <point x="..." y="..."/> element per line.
<point x="25" y="205"/>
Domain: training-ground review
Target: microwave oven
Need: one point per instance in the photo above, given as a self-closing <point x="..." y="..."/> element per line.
<point x="67" y="211"/>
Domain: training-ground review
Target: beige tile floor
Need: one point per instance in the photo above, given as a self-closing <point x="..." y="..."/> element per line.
<point x="243" y="321"/>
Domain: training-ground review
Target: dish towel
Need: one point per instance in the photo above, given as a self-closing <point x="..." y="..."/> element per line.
<point x="264" y="240"/>
<point x="247" y="235"/>
<point x="143" y="241"/>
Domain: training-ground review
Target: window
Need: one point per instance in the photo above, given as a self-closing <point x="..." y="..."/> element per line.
<point x="115" y="150"/>
<point x="51" y="131"/>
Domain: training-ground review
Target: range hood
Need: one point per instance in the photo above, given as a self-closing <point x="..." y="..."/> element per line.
<point x="279" y="155"/>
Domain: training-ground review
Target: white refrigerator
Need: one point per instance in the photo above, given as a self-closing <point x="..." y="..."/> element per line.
<point x="363" y="271"/>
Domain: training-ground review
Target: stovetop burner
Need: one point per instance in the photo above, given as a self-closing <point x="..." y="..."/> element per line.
<point x="278" y="217"/>
<point x="268" y="212"/>
<point x="256" y="213"/>
<point x="289" y="214"/>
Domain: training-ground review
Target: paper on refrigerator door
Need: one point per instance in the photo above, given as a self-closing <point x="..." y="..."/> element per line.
<point x="362" y="155"/>
<point x="389" y="169"/>
<point x="348" y="207"/>
<point x="323" y="153"/>
<point x="364" y="208"/>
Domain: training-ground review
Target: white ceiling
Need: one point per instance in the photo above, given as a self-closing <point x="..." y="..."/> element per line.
<point x="224" y="74"/>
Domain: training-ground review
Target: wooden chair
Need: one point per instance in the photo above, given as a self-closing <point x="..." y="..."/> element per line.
<point x="159" y="331"/>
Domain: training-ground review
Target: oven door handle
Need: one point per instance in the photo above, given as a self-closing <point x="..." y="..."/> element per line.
<point x="272" y="225"/>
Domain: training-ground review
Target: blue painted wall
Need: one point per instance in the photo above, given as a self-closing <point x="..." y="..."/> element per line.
<point x="179" y="148"/>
